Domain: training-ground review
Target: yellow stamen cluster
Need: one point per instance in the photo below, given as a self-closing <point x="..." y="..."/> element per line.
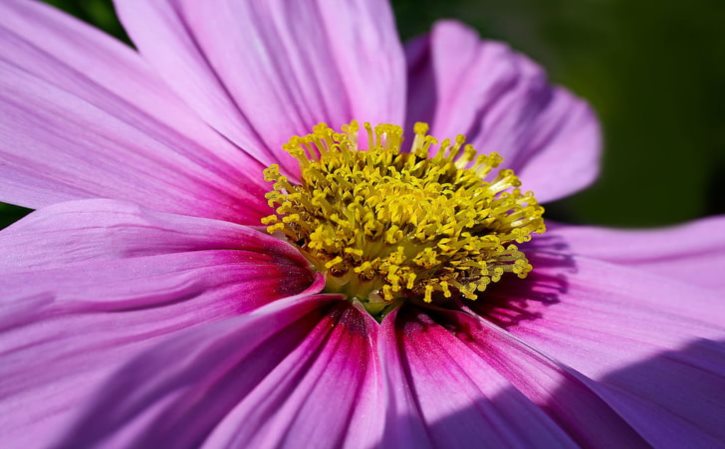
<point x="385" y="225"/>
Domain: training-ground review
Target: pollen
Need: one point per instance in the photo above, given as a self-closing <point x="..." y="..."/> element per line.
<point x="432" y="222"/>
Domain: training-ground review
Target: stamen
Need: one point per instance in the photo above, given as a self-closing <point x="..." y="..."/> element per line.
<point x="385" y="225"/>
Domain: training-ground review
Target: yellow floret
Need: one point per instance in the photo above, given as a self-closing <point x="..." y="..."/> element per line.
<point x="426" y="224"/>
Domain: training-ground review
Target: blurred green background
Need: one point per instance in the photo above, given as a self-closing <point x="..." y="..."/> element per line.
<point x="654" y="71"/>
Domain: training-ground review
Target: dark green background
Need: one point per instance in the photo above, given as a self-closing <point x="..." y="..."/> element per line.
<point x="654" y="71"/>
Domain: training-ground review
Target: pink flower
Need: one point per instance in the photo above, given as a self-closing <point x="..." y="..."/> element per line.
<point x="144" y="307"/>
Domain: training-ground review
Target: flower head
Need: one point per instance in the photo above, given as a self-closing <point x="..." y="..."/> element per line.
<point x="388" y="225"/>
<point x="145" y="305"/>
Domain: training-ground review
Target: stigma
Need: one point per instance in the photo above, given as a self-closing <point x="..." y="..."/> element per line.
<point x="435" y="221"/>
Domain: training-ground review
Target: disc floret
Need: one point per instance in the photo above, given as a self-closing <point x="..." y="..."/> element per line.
<point x="384" y="225"/>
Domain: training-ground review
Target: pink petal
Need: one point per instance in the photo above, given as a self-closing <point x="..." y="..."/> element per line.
<point x="693" y="253"/>
<point x="104" y="254"/>
<point x="260" y="72"/>
<point x="123" y="279"/>
<point x="565" y="395"/>
<point x="84" y="117"/>
<point x="89" y="231"/>
<point x="421" y="86"/>
<point x="503" y="102"/>
<point x="676" y="398"/>
<point x="293" y="374"/>
<point x="640" y="336"/>
<point x="445" y="394"/>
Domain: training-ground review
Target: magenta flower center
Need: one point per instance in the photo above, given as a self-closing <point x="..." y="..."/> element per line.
<point x="386" y="225"/>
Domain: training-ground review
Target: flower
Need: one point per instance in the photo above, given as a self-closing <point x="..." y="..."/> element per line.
<point x="144" y="305"/>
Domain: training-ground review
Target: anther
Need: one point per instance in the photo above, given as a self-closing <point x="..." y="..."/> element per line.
<point x="388" y="225"/>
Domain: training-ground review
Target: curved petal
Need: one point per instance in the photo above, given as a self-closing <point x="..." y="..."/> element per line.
<point x="445" y="394"/>
<point x="84" y="117"/>
<point x="607" y="319"/>
<point x="693" y="253"/>
<point x="124" y="278"/>
<point x="111" y="255"/>
<point x="503" y="102"/>
<point x="293" y="374"/>
<point x="90" y="231"/>
<point x="567" y="396"/>
<point x="260" y="72"/>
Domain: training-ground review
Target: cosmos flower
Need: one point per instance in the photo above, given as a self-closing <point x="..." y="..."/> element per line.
<point x="210" y="267"/>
